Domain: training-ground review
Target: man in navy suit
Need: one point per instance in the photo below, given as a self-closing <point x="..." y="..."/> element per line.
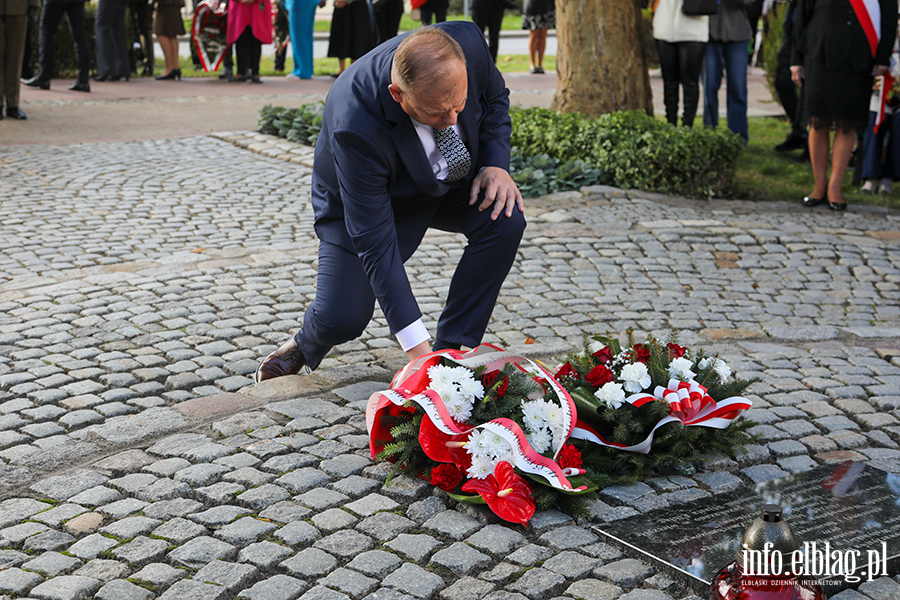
<point x="415" y="135"/>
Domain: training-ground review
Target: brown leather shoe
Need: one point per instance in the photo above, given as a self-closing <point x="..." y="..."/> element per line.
<point x="287" y="360"/>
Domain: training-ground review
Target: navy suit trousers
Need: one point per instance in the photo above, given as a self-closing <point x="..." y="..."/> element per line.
<point x="344" y="301"/>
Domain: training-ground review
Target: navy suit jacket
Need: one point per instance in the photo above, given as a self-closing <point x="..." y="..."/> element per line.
<point x="371" y="171"/>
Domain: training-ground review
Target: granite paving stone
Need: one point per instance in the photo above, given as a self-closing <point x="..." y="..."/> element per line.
<point x="66" y="587"/>
<point x="123" y="332"/>
<point x="159" y="574"/>
<point x="310" y="563"/>
<point x="120" y="589"/>
<point x="229" y="575"/>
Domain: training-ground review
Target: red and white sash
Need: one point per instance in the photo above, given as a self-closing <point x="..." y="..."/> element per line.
<point x="868" y="12"/>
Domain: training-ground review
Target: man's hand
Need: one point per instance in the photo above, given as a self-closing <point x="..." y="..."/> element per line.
<point x="879" y="70"/>
<point x="499" y="190"/>
<point x="797" y="74"/>
<point x="417" y="351"/>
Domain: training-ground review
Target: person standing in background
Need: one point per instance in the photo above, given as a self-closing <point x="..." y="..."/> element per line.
<point x="538" y="16"/>
<point x="786" y="90"/>
<point x="249" y="27"/>
<point x="142" y="16"/>
<point x="435" y="8"/>
<point x="681" y="43"/>
<point x="387" y="18"/>
<point x="302" y="18"/>
<point x="112" y="45"/>
<point x="13" y="25"/>
<point x="836" y="53"/>
<point x="729" y="34"/>
<point x="352" y="34"/>
<point x="51" y="15"/>
<point x="167" y="26"/>
<point x="488" y="14"/>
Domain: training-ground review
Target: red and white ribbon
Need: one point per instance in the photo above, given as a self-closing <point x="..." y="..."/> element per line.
<point x="868" y="13"/>
<point x="688" y="403"/>
<point x="410" y="384"/>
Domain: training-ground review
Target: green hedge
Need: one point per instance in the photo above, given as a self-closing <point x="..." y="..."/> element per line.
<point x="555" y="153"/>
<point x="633" y="150"/>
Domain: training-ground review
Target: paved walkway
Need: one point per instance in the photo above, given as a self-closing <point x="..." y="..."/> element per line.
<point x="144" y="109"/>
<point x="142" y="280"/>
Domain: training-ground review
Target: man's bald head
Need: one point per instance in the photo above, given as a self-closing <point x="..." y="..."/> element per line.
<point x="428" y="61"/>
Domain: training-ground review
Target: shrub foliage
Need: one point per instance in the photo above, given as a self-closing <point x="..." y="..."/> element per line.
<point x="555" y="152"/>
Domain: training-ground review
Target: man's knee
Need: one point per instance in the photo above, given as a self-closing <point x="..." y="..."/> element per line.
<point x="333" y="327"/>
<point x="508" y="230"/>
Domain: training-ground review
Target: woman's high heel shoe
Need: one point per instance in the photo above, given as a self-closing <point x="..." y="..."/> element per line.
<point x="173" y="74"/>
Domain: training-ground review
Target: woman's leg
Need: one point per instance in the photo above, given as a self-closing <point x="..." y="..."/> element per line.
<point x="541" y="46"/>
<point x="532" y="47"/>
<point x="840" y="157"/>
<point x="668" y="64"/>
<point x="243" y="52"/>
<point x="169" y="45"/>
<point x="819" y="141"/>
<point x="690" y="64"/>
<point x="342" y="64"/>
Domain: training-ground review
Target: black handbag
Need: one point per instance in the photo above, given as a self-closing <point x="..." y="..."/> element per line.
<point x="699" y="8"/>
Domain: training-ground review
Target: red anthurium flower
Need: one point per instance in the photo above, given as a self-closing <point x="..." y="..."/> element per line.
<point x="569" y="457"/>
<point x="604" y="355"/>
<point x="598" y="376"/>
<point x="507" y="494"/>
<point x="565" y="371"/>
<point x="675" y="351"/>
<point x="447" y="476"/>
<point x="641" y="353"/>
<point x="443" y="447"/>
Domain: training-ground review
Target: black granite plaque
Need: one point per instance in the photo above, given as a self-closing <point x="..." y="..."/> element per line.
<point x="848" y="512"/>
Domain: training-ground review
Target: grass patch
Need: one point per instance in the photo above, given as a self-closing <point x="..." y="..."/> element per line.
<point x="763" y="174"/>
<point x="507" y="63"/>
<point x="511" y="22"/>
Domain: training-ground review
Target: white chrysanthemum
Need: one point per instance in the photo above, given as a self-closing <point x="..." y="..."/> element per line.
<point x="460" y="374"/>
<point x="680" y="368"/>
<point x="635" y="377"/>
<point x="460" y="411"/>
<point x="440" y="374"/>
<point x="477" y="445"/>
<point x="482" y="466"/>
<point x="471" y="388"/>
<point x="533" y="415"/>
<point x="554" y="415"/>
<point x="444" y="389"/>
<point x="497" y="445"/>
<point x="539" y="440"/>
<point x="611" y="394"/>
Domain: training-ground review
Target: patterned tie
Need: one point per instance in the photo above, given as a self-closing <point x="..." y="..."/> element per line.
<point x="455" y="153"/>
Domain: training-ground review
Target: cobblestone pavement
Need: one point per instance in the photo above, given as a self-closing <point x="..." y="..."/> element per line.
<point x="138" y="292"/>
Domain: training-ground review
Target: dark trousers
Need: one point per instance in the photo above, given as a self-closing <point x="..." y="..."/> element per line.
<point x="12" y="44"/>
<point x="436" y="8"/>
<point x="492" y="20"/>
<point x="249" y="50"/>
<point x="387" y="23"/>
<point x="50" y="18"/>
<point x="345" y="302"/>
<point x="785" y="88"/>
<point x="142" y="15"/>
<point x="112" y="45"/>
<point x="681" y="64"/>
<point x="876" y="163"/>
<point x="27" y="69"/>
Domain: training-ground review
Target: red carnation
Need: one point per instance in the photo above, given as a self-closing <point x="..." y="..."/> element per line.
<point x="569" y="457"/>
<point x="447" y="476"/>
<point x="640" y="353"/>
<point x="566" y="371"/>
<point x="604" y="355"/>
<point x="491" y="378"/>
<point x="675" y="351"/>
<point x="599" y="376"/>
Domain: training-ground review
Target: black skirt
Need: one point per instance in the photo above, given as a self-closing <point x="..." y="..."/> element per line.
<point x="351" y="31"/>
<point x="836" y="97"/>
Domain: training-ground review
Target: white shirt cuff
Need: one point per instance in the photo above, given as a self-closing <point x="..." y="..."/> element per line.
<point x="412" y="335"/>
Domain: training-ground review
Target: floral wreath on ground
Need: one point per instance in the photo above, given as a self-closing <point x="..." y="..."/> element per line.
<point x="491" y="427"/>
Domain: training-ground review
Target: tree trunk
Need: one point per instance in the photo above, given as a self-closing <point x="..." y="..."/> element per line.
<point x="600" y="63"/>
